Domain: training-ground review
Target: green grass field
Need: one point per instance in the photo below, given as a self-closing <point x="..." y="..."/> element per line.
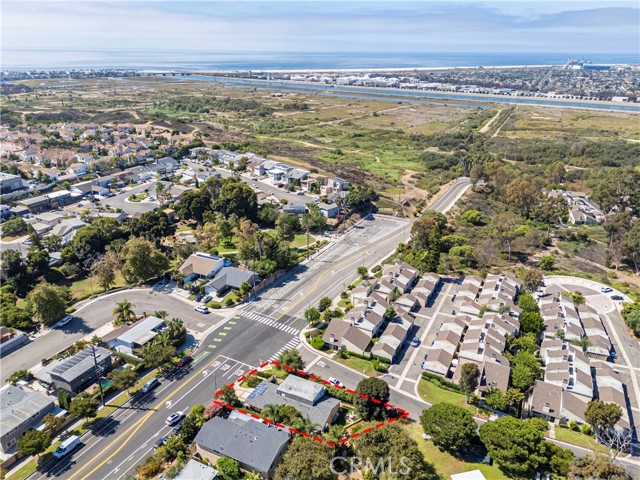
<point x="431" y="393"/>
<point x="446" y="464"/>
<point x="580" y="439"/>
<point x="359" y="364"/>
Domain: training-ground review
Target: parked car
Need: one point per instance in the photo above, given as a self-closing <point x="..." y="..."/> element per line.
<point x="150" y="385"/>
<point x="254" y="185"/>
<point x="199" y="297"/>
<point x="185" y="361"/>
<point x="415" y="341"/>
<point x="206" y="298"/>
<point x="63" y="322"/>
<point x="336" y="382"/>
<point x="202" y="309"/>
<point x="300" y="192"/>
<point x="176" y="429"/>
<point x="159" y="442"/>
<point x="606" y="289"/>
<point x="174" y="418"/>
<point x="617" y="297"/>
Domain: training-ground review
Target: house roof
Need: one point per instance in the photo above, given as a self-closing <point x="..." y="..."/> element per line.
<point x="249" y="442"/>
<point x="230" y="277"/>
<point x="495" y="375"/>
<point x="305" y="389"/>
<point x="194" y="470"/>
<point x="18" y="406"/>
<point x="79" y="363"/>
<point x="142" y="331"/>
<point x="546" y="399"/>
<point x="320" y="413"/>
<point x="336" y="328"/>
<point x="199" y="263"/>
<point x="357" y="337"/>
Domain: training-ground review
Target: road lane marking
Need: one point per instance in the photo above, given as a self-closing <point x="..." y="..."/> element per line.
<point x="133" y="429"/>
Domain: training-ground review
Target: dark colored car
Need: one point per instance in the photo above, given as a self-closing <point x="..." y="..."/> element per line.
<point x="176" y="429"/>
<point x="617" y="297"/>
<point x="185" y="361"/>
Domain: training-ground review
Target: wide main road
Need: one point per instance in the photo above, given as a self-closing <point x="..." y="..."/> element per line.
<point x="256" y="333"/>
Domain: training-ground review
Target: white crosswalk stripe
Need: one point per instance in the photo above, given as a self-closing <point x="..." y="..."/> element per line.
<point x="256" y="317"/>
<point x="293" y="343"/>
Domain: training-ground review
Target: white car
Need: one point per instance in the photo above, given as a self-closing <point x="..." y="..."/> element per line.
<point x="64" y="321"/>
<point x="336" y="382"/>
<point x="174" y="418"/>
<point x="606" y="289"/>
<point x="202" y="309"/>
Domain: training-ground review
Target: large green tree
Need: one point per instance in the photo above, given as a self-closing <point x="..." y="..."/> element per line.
<point x="596" y="466"/>
<point x="531" y="322"/>
<point x="157" y="356"/>
<point x="142" y="260"/>
<point x="123" y="379"/>
<point x="451" y="428"/>
<point x="33" y="442"/>
<point x="469" y="376"/>
<point x="399" y="453"/>
<point x="373" y="388"/>
<point x="83" y="405"/>
<point x="306" y="459"/>
<point x="517" y="446"/>
<point x="124" y="312"/>
<point x="47" y="303"/>
<point x="228" y="469"/>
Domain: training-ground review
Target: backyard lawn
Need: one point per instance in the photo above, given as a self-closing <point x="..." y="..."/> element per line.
<point x="446" y="464"/>
<point x="433" y="394"/>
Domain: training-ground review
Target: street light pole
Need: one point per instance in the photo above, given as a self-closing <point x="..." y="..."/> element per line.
<point x="97" y="369"/>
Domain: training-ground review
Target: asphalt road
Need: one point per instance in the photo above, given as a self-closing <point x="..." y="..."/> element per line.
<point x="257" y="332"/>
<point x="97" y="313"/>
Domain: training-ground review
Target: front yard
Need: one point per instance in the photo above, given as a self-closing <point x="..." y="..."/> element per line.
<point x="360" y="364"/>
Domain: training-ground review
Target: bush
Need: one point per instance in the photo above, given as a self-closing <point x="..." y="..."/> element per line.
<point x="214" y="305"/>
<point x="340" y="394"/>
<point x="70" y="310"/>
<point x="253" y="381"/>
<point x="149" y="469"/>
<point x="317" y="343"/>
<point x="585" y="428"/>
<point x="228" y="302"/>
<point x="357" y="355"/>
<point x="377" y="366"/>
<point x="440" y="381"/>
<point x="376" y="269"/>
<point x="381" y="359"/>
<point x="573" y="425"/>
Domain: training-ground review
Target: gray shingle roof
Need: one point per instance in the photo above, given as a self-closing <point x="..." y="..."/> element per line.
<point x="249" y="442"/>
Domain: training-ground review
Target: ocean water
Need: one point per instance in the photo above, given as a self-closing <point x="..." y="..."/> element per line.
<point x="187" y="60"/>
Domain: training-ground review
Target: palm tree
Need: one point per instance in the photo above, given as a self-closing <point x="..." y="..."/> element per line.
<point x="124" y="312"/>
<point x="161" y="314"/>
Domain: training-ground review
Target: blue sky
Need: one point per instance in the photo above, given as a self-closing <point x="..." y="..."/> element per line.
<point x="312" y="26"/>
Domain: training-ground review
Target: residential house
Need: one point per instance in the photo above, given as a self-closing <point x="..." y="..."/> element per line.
<point x="257" y="447"/>
<point x="294" y="209"/>
<point x="194" y="470"/>
<point x="230" y="278"/>
<point x="200" y="265"/>
<point x="89" y="187"/>
<point x="20" y="410"/>
<point x="356" y="340"/>
<point x="329" y="210"/>
<point x="338" y="184"/>
<point x="11" y="340"/>
<point x="67" y="229"/>
<point x="391" y="341"/>
<point x="76" y="373"/>
<point x="128" y="338"/>
<point x="309" y="398"/>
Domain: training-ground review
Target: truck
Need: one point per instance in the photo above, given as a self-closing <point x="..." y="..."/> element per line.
<point x="66" y="447"/>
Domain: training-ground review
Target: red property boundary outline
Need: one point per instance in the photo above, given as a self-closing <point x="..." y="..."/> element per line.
<point x="300" y="373"/>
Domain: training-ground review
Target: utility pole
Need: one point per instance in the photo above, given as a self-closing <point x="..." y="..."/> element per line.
<point x="98" y="371"/>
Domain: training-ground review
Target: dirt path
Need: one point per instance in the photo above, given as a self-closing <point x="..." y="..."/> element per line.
<point x="505" y="121"/>
<point x="490" y="122"/>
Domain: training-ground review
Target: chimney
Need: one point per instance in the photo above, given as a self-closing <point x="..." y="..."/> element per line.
<point x="546" y="408"/>
<point x="332" y="337"/>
